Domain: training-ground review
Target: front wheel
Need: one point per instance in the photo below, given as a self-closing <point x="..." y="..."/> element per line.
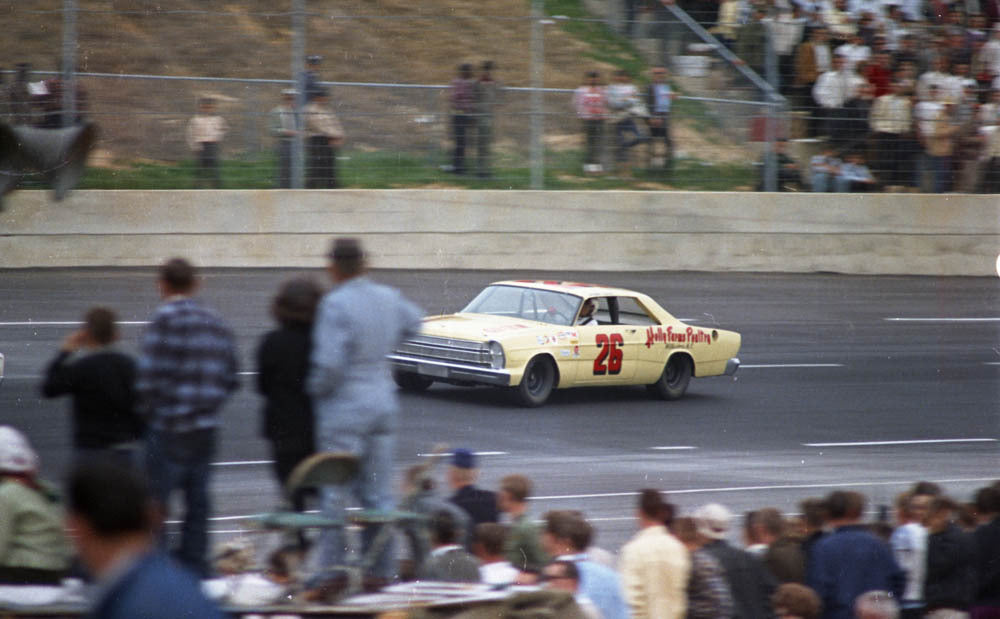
<point x="537" y="383"/>
<point x="675" y="378"/>
<point x="408" y="381"/>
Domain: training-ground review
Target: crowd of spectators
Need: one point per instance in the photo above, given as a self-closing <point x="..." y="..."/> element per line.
<point x="908" y="86"/>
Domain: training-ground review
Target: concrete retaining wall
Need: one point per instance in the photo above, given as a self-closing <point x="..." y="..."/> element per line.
<point x="455" y="229"/>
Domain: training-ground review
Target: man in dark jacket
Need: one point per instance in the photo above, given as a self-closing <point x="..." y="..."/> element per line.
<point x="480" y="504"/>
<point x="850" y="560"/>
<point x="101" y="381"/>
<point x="987" y="538"/>
<point x="951" y="576"/>
<point x="448" y="561"/>
<point x="749" y="580"/>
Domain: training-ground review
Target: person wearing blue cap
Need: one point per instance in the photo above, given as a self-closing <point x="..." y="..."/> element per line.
<point x="480" y="504"/>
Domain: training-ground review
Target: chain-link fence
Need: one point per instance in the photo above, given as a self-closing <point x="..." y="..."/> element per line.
<point x="747" y="77"/>
<point x="139" y="71"/>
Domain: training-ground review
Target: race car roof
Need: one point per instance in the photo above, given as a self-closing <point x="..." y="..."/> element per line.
<point x="580" y="289"/>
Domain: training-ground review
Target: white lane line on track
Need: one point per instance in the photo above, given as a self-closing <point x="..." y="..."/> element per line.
<point x="63" y="323"/>
<point x="790" y="365"/>
<point x="843" y="484"/>
<point x="247" y="373"/>
<point x="673" y="447"/>
<point x="243" y="463"/>
<point x="944" y="319"/>
<point x="475" y="453"/>
<point x="929" y="441"/>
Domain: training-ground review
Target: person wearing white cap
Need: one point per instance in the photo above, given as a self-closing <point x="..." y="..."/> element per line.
<point x="33" y="546"/>
<point x="749" y="580"/>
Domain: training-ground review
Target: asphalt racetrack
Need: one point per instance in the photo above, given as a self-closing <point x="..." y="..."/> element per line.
<point x="863" y="382"/>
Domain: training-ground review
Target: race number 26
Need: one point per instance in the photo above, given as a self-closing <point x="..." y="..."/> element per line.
<point x="609" y="357"/>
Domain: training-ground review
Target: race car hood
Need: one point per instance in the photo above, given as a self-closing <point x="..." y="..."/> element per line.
<point x="478" y="327"/>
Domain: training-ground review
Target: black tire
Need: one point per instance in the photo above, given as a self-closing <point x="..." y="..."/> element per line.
<point x="674" y="380"/>
<point x="537" y="383"/>
<point x="408" y="381"/>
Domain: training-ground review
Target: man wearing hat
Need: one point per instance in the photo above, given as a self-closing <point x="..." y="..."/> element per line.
<point x="310" y="77"/>
<point x="284" y="128"/>
<point x="357" y="324"/>
<point x="481" y="505"/>
<point x="33" y="544"/>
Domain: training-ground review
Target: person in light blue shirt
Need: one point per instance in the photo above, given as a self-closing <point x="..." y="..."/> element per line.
<point x="565" y="537"/>
<point x="357" y="324"/>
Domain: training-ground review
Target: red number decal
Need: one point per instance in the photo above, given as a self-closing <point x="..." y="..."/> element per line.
<point x="616" y="354"/>
<point x="611" y="352"/>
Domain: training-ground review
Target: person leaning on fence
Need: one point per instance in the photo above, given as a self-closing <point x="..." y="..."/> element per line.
<point x="591" y="104"/>
<point x="325" y="136"/>
<point x="626" y="108"/>
<point x="205" y="131"/>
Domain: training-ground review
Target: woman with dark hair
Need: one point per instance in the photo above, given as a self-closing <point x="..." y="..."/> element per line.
<point x="283" y="364"/>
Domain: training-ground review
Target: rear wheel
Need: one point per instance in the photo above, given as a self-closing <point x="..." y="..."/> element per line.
<point x="408" y="381"/>
<point x="675" y="378"/>
<point x="537" y="383"/>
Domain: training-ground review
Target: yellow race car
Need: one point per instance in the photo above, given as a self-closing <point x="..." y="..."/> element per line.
<point x="535" y="336"/>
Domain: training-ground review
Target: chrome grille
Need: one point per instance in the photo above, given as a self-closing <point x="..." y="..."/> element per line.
<point x="446" y="349"/>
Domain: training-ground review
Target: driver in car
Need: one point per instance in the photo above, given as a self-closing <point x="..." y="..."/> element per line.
<point x="587" y="314"/>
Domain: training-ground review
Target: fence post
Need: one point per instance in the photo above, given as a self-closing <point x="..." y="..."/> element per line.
<point x="69" y="64"/>
<point x="297" y="171"/>
<point x="771" y="132"/>
<point x="537" y="101"/>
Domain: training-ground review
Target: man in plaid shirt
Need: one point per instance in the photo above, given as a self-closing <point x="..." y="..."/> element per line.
<point x="186" y="372"/>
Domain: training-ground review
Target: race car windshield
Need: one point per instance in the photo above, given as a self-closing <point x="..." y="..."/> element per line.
<point x="528" y="303"/>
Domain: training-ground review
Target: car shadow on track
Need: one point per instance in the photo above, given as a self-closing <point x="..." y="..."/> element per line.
<point x="579" y="398"/>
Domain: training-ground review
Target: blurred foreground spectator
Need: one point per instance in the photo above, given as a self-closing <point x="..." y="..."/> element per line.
<point x="708" y="593"/>
<point x="101" y="381"/>
<point x="33" y="546"/>
<point x="796" y="601"/>
<point x="282" y="368"/>
<point x="186" y="372"/>
<point x="523" y="546"/>
<point x="655" y="566"/>
<point x="448" y="560"/>
<point x="876" y="605"/>
<point x="566" y="537"/>
<point x="850" y="560"/>
<point x="494" y="568"/>
<point x="481" y="505"/>
<point x="113" y="520"/>
<point x="749" y="581"/>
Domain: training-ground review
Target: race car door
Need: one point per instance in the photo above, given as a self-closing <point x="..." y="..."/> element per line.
<point x="609" y="350"/>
